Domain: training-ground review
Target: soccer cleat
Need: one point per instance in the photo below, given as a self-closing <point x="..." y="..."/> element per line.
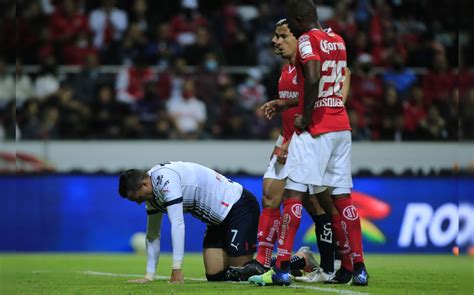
<point x="360" y="276"/>
<point x="272" y="277"/>
<point x="296" y="272"/>
<point x="263" y="279"/>
<point x="316" y="276"/>
<point x="342" y="276"/>
<point x="311" y="263"/>
<point x="243" y="273"/>
<point x="229" y="276"/>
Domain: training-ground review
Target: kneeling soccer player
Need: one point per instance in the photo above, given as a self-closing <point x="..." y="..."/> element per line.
<point x="230" y="212"/>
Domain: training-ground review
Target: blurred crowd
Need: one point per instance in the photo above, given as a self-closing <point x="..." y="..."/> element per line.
<point x="408" y="71"/>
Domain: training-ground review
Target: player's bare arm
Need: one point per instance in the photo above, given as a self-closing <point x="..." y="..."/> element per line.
<point x="312" y="75"/>
<point x="346" y="85"/>
<point x="275" y="106"/>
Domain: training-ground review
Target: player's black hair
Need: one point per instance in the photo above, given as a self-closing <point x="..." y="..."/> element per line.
<point x="130" y="181"/>
<point x="281" y="22"/>
<point x="302" y="8"/>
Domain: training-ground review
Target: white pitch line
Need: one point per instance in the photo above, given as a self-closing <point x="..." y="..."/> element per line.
<point x="296" y="286"/>
<point x="347" y="292"/>
<point x="96" y="273"/>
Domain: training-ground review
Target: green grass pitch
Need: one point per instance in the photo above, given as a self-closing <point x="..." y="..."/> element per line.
<point x="107" y="274"/>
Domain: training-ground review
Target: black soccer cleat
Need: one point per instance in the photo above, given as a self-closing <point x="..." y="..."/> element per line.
<point x="230" y="276"/>
<point x="296" y="272"/>
<point x="243" y="273"/>
<point x="360" y="276"/>
<point x="342" y="277"/>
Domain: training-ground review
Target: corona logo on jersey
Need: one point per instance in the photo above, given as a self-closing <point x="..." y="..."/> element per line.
<point x="327" y="46"/>
<point x="369" y="208"/>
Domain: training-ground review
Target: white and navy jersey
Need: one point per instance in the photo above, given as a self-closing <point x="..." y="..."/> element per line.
<point x="205" y="193"/>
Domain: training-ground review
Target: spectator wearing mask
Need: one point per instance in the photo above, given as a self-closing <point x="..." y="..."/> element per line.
<point x="188" y="113"/>
<point x="251" y="91"/>
<point x="208" y="73"/>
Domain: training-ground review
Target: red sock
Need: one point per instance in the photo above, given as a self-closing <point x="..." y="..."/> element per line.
<point x="290" y="222"/>
<point x="350" y="216"/>
<point x="268" y="224"/>
<point x="342" y="242"/>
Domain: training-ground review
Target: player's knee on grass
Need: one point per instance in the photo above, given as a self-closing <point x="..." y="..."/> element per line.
<point x="218" y="277"/>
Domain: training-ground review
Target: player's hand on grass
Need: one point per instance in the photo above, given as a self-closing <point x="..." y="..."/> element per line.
<point x="177" y="276"/>
<point x="139" y="281"/>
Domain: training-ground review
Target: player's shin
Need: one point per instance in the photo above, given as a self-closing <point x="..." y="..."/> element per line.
<point x="290" y="222"/>
<point x="324" y="237"/>
<point x="351" y="218"/>
<point x="267" y="232"/>
<point x="342" y="242"/>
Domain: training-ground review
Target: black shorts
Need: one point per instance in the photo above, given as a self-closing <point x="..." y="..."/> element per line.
<point x="237" y="234"/>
